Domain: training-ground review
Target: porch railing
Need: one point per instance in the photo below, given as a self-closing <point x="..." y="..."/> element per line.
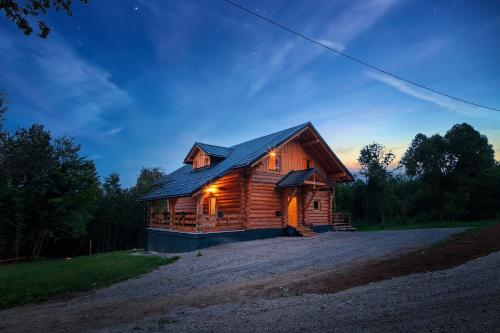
<point x="186" y="221"/>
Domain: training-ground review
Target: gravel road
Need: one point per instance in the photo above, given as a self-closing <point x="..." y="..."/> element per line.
<point x="462" y="299"/>
<point x="217" y="276"/>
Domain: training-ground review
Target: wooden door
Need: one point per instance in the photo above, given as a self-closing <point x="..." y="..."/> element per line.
<point x="293" y="216"/>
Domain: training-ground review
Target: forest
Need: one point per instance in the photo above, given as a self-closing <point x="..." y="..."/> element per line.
<point x="54" y="204"/>
<point x="454" y="177"/>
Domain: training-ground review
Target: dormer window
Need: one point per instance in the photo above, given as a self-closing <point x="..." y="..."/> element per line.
<point x="273" y="162"/>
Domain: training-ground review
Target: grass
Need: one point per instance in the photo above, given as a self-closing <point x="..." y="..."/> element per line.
<point x="41" y="280"/>
<point x="427" y="225"/>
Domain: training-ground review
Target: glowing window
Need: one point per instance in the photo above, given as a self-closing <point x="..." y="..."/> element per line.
<point x="273" y="163"/>
<point x="212" y="205"/>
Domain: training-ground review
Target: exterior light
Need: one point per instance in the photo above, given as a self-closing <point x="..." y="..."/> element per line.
<point x="272" y="153"/>
<point x="211" y="189"/>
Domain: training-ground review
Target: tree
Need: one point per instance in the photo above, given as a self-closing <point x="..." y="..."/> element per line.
<point x="21" y="14"/>
<point x="52" y="188"/>
<point x="3" y="110"/>
<point x="374" y="160"/>
<point x="452" y="170"/>
<point x="146" y="178"/>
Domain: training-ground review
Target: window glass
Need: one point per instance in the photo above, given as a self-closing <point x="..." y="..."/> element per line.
<point x="316" y="205"/>
<point x="212" y="203"/>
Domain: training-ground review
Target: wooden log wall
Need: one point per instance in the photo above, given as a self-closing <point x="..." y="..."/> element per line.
<point x="322" y="216"/>
<point x="228" y="195"/>
<point x="292" y="156"/>
<point x="186" y="205"/>
<point x="264" y="201"/>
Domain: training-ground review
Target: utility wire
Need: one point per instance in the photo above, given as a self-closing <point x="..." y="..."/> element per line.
<point x="353" y="58"/>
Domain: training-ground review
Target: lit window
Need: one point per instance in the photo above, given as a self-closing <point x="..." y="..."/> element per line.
<point x="212" y="204"/>
<point x="316" y="205"/>
<point x="273" y="162"/>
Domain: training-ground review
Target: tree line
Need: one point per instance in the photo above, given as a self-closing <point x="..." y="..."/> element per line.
<point x="52" y="202"/>
<point x="454" y="177"/>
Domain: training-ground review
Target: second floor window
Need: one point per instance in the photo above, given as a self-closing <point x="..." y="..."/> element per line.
<point x="307" y="164"/>
<point x="273" y="163"/>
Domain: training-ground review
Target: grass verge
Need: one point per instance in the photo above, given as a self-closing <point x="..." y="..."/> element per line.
<point x="428" y="225"/>
<point x="41" y="280"/>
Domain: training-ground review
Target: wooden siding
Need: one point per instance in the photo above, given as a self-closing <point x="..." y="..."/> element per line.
<point x="228" y="194"/>
<point x="200" y="160"/>
<point x="185" y="205"/>
<point x="292" y="157"/>
<point x="321" y="216"/>
<point x="264" y="200"/>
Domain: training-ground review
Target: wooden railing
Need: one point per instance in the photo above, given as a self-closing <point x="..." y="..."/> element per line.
<point x="341" y="219"/>
<point x="185" y="221"/>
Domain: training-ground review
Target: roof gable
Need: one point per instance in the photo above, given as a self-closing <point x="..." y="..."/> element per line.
<point x="296" y="178"/>
<point x="210" y="150"/>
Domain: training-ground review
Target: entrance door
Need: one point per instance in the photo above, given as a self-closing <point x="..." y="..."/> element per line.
<point x="293" y="216"/>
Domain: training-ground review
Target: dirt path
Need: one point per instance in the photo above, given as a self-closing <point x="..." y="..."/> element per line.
<point x="222" y="274"/>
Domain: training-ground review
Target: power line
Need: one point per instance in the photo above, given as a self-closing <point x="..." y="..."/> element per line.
<point x="353" y="58"/>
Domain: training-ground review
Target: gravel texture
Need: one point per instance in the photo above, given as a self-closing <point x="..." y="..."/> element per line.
<point x="462" y="299"/>
<point x="190" y="280"/>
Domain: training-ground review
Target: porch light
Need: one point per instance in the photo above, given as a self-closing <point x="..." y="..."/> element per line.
<point x="272" y="153"/>
<point x="211" y="189"/>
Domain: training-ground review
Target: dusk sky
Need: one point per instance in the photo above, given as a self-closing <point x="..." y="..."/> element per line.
<point x="136" y="83"/>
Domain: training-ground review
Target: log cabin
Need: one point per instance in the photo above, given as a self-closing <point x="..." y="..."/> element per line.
<point x="275" y="185"/>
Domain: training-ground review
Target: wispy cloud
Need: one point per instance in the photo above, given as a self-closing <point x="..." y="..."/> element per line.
<point x="113" y="131"/>
<point x="282" y="59"/>
<point x="67" y="92"/>
<point x="439" y="100"/>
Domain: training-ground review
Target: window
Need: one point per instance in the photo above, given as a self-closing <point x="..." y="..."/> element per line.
<point x="316" y="205"/>
<point x="273" y="162"/>
<point x="212" y="205"/>
<point x="307" y="164"/>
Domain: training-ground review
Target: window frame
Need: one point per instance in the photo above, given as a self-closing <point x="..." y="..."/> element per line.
<point x="213" y="200"/>
<point x="277" y="162"/>
<point x="318" y="204"/>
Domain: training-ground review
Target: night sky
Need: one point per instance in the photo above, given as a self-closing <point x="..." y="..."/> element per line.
<point x="136" y="83"/>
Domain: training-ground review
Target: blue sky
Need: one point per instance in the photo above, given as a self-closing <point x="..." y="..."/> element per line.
<point x="136" y="83"/>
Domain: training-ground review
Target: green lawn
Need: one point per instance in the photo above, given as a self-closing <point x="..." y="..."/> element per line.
<point x="38" y="281"/>
<point x="401" y="226"/>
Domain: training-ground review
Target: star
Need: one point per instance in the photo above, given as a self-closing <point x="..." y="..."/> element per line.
<point x="136" y="8"/>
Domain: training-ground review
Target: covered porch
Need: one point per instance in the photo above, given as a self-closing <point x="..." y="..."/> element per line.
<point x="214" y="208"/>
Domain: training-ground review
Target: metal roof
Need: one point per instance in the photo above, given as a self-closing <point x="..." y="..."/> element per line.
<point x="296" y="178"/>
<point x="186" y="181"/>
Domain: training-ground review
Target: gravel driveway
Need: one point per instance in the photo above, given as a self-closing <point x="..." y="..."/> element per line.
<point x="463" y="299"/>
<point x="213" y="277"/>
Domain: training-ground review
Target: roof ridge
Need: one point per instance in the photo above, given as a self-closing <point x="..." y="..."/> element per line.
<point x="275" y="133"/>
<point x="209" y="144"/>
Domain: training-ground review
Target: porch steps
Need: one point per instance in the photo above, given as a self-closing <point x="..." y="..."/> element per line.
<point x="343" y="227"/>
<point x="305" y="231"/>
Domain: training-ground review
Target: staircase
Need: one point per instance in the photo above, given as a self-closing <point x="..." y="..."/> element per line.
<point x="342" y="222"/>
<point x="305" y="231"/>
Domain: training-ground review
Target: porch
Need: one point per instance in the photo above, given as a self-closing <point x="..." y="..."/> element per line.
<point x="190" y="222"/>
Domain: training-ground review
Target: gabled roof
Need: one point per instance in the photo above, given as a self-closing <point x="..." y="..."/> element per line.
<point x="296" y="178"/>
<point x="185" y="181"/>
<point x="210" y="150"/>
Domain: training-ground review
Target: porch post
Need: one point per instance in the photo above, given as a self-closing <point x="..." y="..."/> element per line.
<point x="171" y="205"/>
